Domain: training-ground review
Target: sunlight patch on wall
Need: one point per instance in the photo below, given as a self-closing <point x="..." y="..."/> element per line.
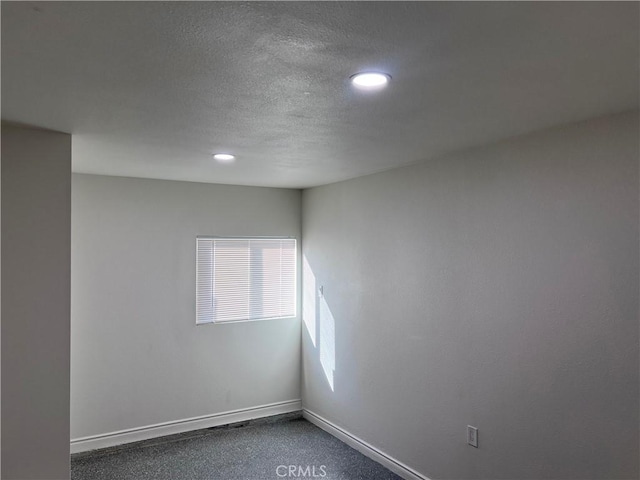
<point x="309" y="300"/>
<point x="327" y="341"/>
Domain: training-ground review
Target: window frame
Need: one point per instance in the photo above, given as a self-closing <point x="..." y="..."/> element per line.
<point x="249" y="237"/>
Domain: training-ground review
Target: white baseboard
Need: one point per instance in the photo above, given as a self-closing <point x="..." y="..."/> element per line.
<point x="363" y="447"/>
<point x="111" y="439"/>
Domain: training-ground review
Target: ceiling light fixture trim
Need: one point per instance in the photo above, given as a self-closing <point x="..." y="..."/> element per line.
<point x="224" y="157"/>
<point x="370" y="80"/>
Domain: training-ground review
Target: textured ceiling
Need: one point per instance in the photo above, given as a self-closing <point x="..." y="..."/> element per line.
<point x="153" y="89"/>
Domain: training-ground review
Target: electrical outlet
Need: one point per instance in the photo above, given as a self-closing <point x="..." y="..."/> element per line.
<point x="472" y="436"/>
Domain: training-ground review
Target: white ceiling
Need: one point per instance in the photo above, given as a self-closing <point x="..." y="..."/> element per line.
<point x="153" y="89"/>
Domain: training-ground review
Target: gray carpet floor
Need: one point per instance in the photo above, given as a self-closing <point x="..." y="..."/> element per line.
<point x="286" y="447"/>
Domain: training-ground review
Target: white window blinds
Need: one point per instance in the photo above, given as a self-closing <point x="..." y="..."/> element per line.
<point x="245" y="279"/>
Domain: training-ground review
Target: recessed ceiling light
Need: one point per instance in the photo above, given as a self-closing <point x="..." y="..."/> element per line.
<point x="224" y="157"/>
<point x="370" y="80"/>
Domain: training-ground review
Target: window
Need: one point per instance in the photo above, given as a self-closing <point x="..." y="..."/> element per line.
<point x="245" y="279"/>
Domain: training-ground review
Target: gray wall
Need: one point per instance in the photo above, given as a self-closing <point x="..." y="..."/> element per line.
<point x="36" y="235"/>
<point x="497" y="287"/>
<point x="137" y="357"/>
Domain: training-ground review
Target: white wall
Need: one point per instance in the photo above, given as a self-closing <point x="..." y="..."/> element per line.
<point x="36" y="235"/>
<point x="137" y="357"/>
<point x="497" y="287"/>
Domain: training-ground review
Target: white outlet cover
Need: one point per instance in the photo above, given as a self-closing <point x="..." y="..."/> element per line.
<point x="472" y="436"/>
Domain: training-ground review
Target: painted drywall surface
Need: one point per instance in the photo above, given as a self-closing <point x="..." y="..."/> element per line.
<point x="137" y="356"/>
<point x="497" y="288"/>
<point x="0" y="316"/>
<point x="36" y="236"/>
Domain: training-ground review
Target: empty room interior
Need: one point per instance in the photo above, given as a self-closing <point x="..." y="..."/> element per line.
<point x="340" y="240"/>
